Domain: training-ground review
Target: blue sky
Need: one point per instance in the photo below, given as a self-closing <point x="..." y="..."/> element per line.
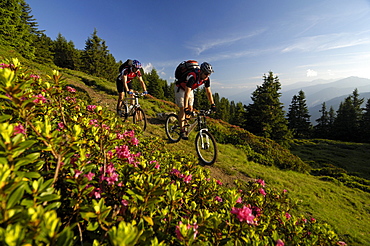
<point x="299" y="41"/>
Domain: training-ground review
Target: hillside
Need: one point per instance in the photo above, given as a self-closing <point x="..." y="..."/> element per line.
<point x="246" y="157"/>
<point x="319" y="198"/>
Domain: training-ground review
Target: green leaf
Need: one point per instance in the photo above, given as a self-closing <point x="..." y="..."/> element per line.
<point x="15" y="196"/>
<point x="27" y="159"/>
<point x="5" y="117"/>
<point x="149" y="220"/>
<point x="92" y="226"/>
<point x="48" y="198"/>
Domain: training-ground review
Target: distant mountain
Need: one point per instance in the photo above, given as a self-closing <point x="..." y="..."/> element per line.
<point x="316" y="91"/>
<point x="335" y="102"/>
<point x="333" y="92"/>
<point x="319" y="93"/>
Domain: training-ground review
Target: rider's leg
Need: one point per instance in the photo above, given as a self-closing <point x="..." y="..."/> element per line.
<point x="119" y="102"/>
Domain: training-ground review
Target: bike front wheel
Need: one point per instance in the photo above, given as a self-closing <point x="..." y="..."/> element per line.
<point x="140" y="118"/>
<point x="205" y="145"/>
<point x="172" y="128"/>
<point x="124" y="111"/>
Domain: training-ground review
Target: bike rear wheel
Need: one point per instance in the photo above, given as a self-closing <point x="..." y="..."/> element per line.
<point x="205" y="145"/>
<point x="172" y="128"/>
<point x="140" y="118"/>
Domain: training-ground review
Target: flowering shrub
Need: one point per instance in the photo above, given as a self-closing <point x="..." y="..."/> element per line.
<point x="72" y="173"/>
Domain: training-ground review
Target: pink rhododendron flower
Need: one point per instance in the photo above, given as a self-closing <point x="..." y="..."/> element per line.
<point x="124" y="202"/>
<point x="130" y="134"/>
<point x="218" y="182"/>
<point x="263" y="192"/>
<point x="3" y="65"/>
<point x="244" y="214"/>
<point x="122" y="151"/>
<point x="96" y="192"/>
<point x="279" y="243"/>
<point x="61" y="125"/>
<point x="19" y="129"/>
<point x="35" y="76"/>
<point x="39" y="99"/>
<point x="219" y="199"/>
<point x="240" y="200"/>
<point x="187" y="178"/>
<point x="91" y="107"/>
<point x="77" y="173"/>
<point x="288" y="216"/>
<point x="285" y="191"/>
<point x="90" y="176"/>
<point x="112" y="179"/>
<point x="261" y="182"/>
<point x="341" y="243"/>
<point x="177" y="173"/>
<point x="70" y="89"/>
<point x="134" y="141"/>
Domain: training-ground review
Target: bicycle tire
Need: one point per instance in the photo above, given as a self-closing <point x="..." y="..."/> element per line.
<point x="124" y="111"/>
<point x="206" y="147"/>
<point x="172" y="128"/>
<point x="139" y="118"/>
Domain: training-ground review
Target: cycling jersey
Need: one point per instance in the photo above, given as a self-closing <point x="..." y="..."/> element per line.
<point x="130" y="74"/>
<point x="193" y="81"/>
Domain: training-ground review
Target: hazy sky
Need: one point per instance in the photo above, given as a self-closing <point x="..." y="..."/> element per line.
<point x="243" y="39"/>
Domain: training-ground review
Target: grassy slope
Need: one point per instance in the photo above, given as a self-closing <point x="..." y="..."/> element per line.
<point x="347" y="210"/>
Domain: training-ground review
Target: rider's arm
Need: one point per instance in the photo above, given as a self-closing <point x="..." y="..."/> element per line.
<point x="142" y="83"/>
<point x="209" y="95"/>
<point x="124" y="81"/>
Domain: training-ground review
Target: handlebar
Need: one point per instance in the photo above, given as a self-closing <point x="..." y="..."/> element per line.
<point x="137" y="94"/>
<point x="204" y="112"/>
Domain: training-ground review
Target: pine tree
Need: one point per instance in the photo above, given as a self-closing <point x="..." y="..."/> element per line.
<point x="155" y="84"/>
<point x="96" y="59"/>
<point x="17" y="27"/>
<point x="346" y="125"/>
<point x="265" y="116"/>
<point x="322" y="128"/>
<point x="365" y="124"/>
<point x="298" y="117"/>
<point x="200" y="98"/>
<point x="237" y="114"/>
<point x="43" y="49"/>
<point x="65" y="54"/>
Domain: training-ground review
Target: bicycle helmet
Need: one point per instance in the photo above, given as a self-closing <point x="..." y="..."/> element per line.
<point x="206" y="68"/>
<point x="136" y="64"/>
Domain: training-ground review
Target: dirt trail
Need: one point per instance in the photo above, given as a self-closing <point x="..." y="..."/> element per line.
<point x="101" y="98"/>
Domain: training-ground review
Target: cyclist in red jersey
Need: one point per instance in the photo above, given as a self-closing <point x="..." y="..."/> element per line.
<point x="184" y="94"/>
<point x="124" y="82"/>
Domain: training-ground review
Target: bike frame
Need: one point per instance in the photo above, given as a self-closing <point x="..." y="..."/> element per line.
<point x="127" y="100"/>
<point x="200" y="121"/>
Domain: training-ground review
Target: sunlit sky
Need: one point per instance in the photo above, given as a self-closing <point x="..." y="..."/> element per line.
<point x="243" y="40"/>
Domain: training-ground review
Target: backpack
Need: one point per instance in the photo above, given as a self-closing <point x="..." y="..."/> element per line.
<point x="124" y="65"/>
<point x="184" y="68"/>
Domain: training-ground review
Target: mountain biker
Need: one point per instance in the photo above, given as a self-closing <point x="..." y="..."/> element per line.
<point x="124" y="80"/>
<point x="184" y="93"/>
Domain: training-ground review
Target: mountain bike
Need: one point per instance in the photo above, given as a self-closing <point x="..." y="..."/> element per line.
<point x="128" y="109"/>
<point x="205" y="143"/>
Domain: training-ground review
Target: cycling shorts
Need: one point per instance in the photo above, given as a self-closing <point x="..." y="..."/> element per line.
<point x="179" y="97"/>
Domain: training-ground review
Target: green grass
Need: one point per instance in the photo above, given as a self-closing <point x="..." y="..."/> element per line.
<point x="352" y="157"/>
